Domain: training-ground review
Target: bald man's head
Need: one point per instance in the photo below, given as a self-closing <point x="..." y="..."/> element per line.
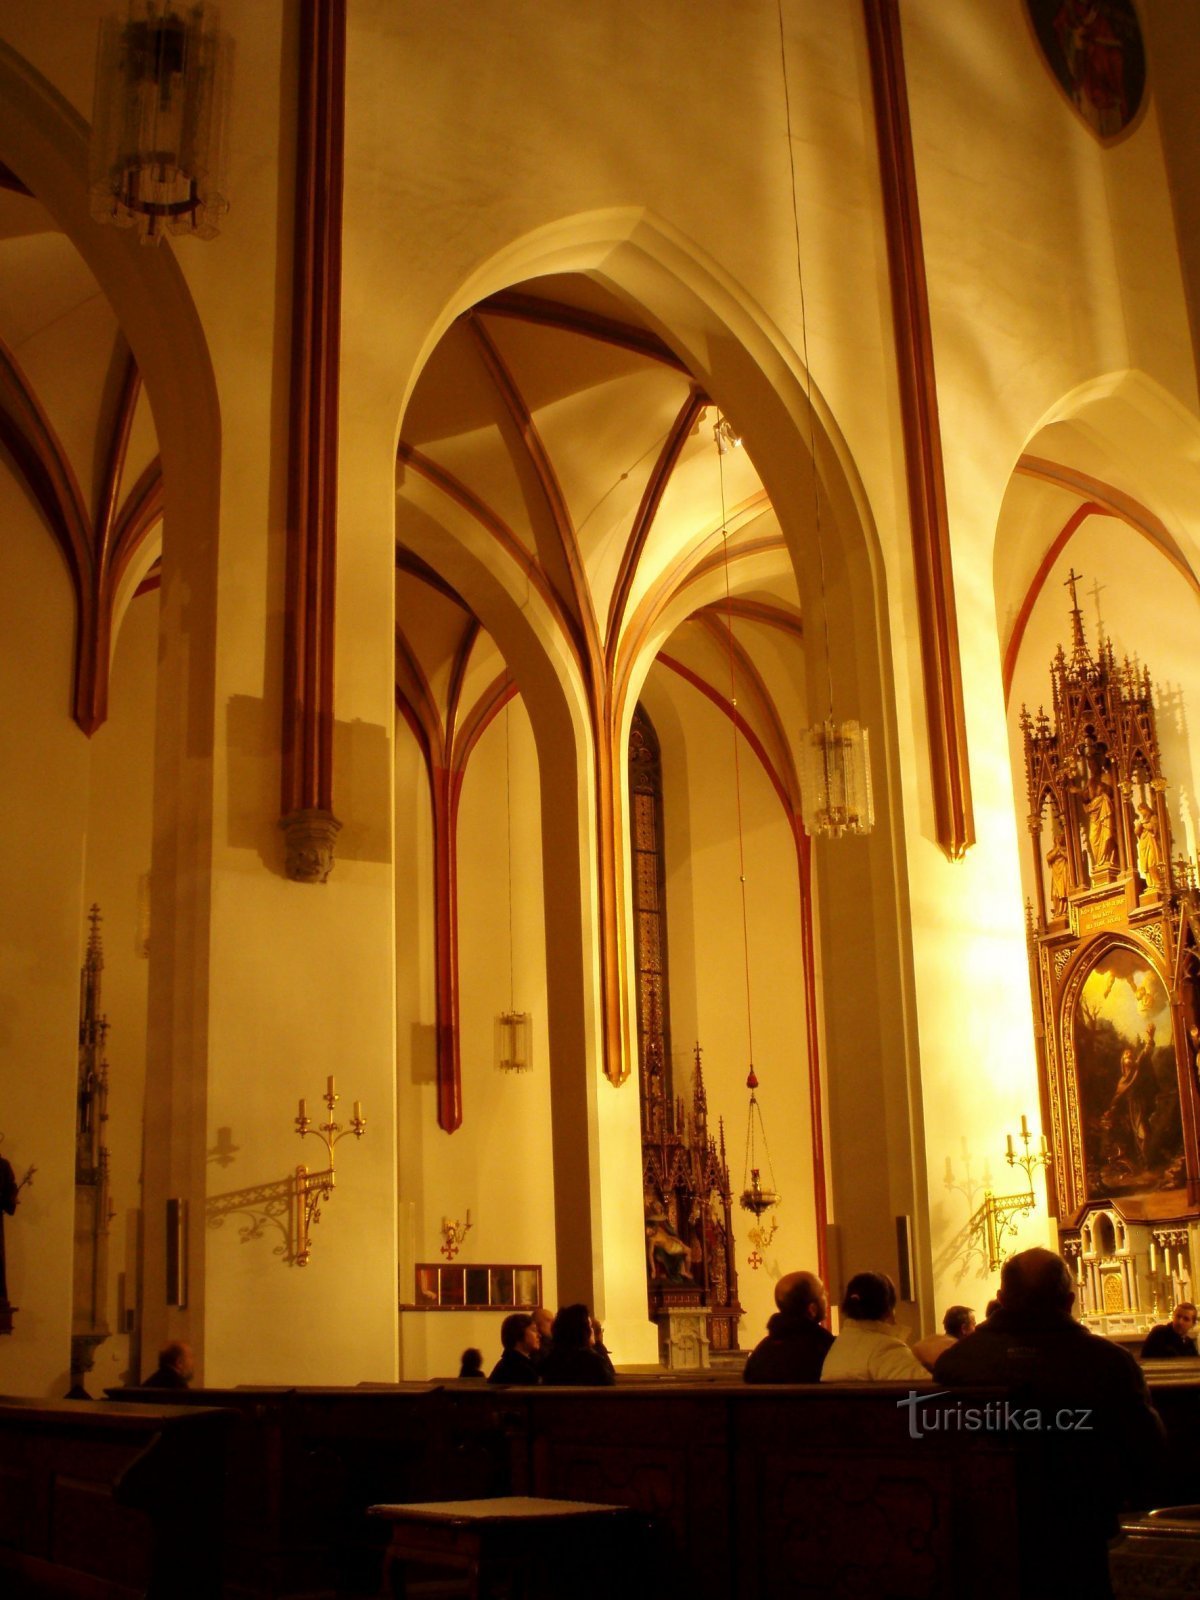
<point x="802" y="1294"/>
<point x="1036" y="1282"/>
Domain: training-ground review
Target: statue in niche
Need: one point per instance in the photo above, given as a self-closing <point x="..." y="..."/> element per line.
<point x="668" y="1255"/>
<point x="1098" y="810"/>
<point x="1056" y="860"/>
<point x="1150" y="863"/>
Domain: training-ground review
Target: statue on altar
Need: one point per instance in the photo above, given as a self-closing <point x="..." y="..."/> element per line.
<point x="1150" y="862"/>
<point x="668" y="1255"/>
<point x="1098" y="811"/>
<point x="1056" y="860"/>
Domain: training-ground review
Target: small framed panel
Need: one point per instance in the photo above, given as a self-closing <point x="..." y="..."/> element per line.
<point x="487" y="1287"/>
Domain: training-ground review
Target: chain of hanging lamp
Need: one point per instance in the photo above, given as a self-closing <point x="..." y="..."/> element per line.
<point x="835" y="757"/>
<point x="758" y="1191"/>
<point x="513" y="1042"/>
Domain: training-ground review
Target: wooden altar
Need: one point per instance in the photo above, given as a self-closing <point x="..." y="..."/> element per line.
<point x="1114" y="936"/>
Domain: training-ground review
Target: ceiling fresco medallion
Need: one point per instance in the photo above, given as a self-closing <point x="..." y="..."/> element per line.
<point x="1094" y="49"/>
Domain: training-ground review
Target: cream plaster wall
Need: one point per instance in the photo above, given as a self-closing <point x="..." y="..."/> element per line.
<point x="45" y="761"/>
<point x="117" y="860"/>
<point x="499" y="1163"/>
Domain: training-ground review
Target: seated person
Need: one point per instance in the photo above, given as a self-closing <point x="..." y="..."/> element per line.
<point x="520" y="1339"/>
<point x="958" y="1323"/>
<point x="1088" y="1419"/>
<point x="575" y="1357"/>
<point x="174" y="1370"/>
<point x="1174" y="1340"/>
<point x="795" y="1345"/>
<point x="471" y="1365"/>
<point x="543" y="1321"/>
<point x="869" y="1346"/>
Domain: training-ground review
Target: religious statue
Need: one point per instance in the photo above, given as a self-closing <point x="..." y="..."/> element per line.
<point x="1098" y="809"/>
<point x="1150" y="862"/>
<point x="668" y="1255"/>
<point x="1056" y="860"/>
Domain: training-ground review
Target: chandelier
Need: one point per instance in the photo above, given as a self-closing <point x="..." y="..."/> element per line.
<point x="158" y="120"/>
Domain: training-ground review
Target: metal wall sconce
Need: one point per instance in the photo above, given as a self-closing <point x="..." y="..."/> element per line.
<point x="453" y="1234"/>
<point x="314" y="1187"/>
<point x="999" y="1211"/>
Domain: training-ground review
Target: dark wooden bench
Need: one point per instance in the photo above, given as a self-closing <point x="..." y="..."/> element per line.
<point x="539" y="1549"/>
<point x="111" y="1502"/>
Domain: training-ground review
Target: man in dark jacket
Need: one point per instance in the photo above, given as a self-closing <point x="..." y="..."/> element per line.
<point x="175" y="1368"/>
<point x="519" y="1336"/>
<point x="1089" y="1441"/>
<point x="1174" y="1340"/>
<point x="795" y="1346"/>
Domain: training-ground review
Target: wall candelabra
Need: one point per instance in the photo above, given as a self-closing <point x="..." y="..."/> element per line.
<point x="1000" y="1210"/>
<point x="314" y="1187"/>
<point x="453" y="1234"/>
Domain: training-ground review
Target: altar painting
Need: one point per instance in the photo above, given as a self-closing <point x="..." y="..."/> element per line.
<point x="1125" y="1071"/>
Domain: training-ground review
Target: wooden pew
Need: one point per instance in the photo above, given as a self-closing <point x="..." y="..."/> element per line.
<point x="305" y="1463"/>
<point x="111" y="1502"/>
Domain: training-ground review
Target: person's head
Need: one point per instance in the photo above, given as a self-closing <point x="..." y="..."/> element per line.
<point x="518" y="1332"/>
<point x="542" y="1321"/>
<point x="471" y="1365"/>
<point x="870" y="1297"/>
<point x="572" y="1328"/>
<point x="178" y="1357"/>
<point x="959" y="1321"/>
<point x="992" y="1305"/>
<point x="802" y="1294"/>
<point x="1036" y="1283"/>
<point x="1183" y="1319"/>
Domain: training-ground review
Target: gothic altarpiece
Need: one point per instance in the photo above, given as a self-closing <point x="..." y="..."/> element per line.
<point x="691" y="1276"/>
<point x="93" y="1203"/>
<point x="1114" y="941"/>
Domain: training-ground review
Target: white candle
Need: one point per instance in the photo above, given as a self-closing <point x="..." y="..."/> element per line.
<point x="1153" y="1255"/>
<point x="1010" y="1147"/>
<point x="358" y="1111"/>
<point x="329" y="1089"/>
<point x="1024" y="1128"/>
<point x="303" y="1110"/>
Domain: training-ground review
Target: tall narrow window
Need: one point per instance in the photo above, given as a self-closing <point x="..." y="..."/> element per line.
<point x="649" y="892"/>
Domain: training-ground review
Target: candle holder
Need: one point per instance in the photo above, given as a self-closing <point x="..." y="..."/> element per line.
<point x="453" y="1234"/>
<point x="1000" y="1210"/>
<point x="314" y="1187"/>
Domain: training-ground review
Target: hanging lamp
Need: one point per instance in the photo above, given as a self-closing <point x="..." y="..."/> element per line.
<point x="514" y="1031"/>
<point x="835" y="758"/>
<point x="158" y="120"/>
<point x="759" y="1195"/>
